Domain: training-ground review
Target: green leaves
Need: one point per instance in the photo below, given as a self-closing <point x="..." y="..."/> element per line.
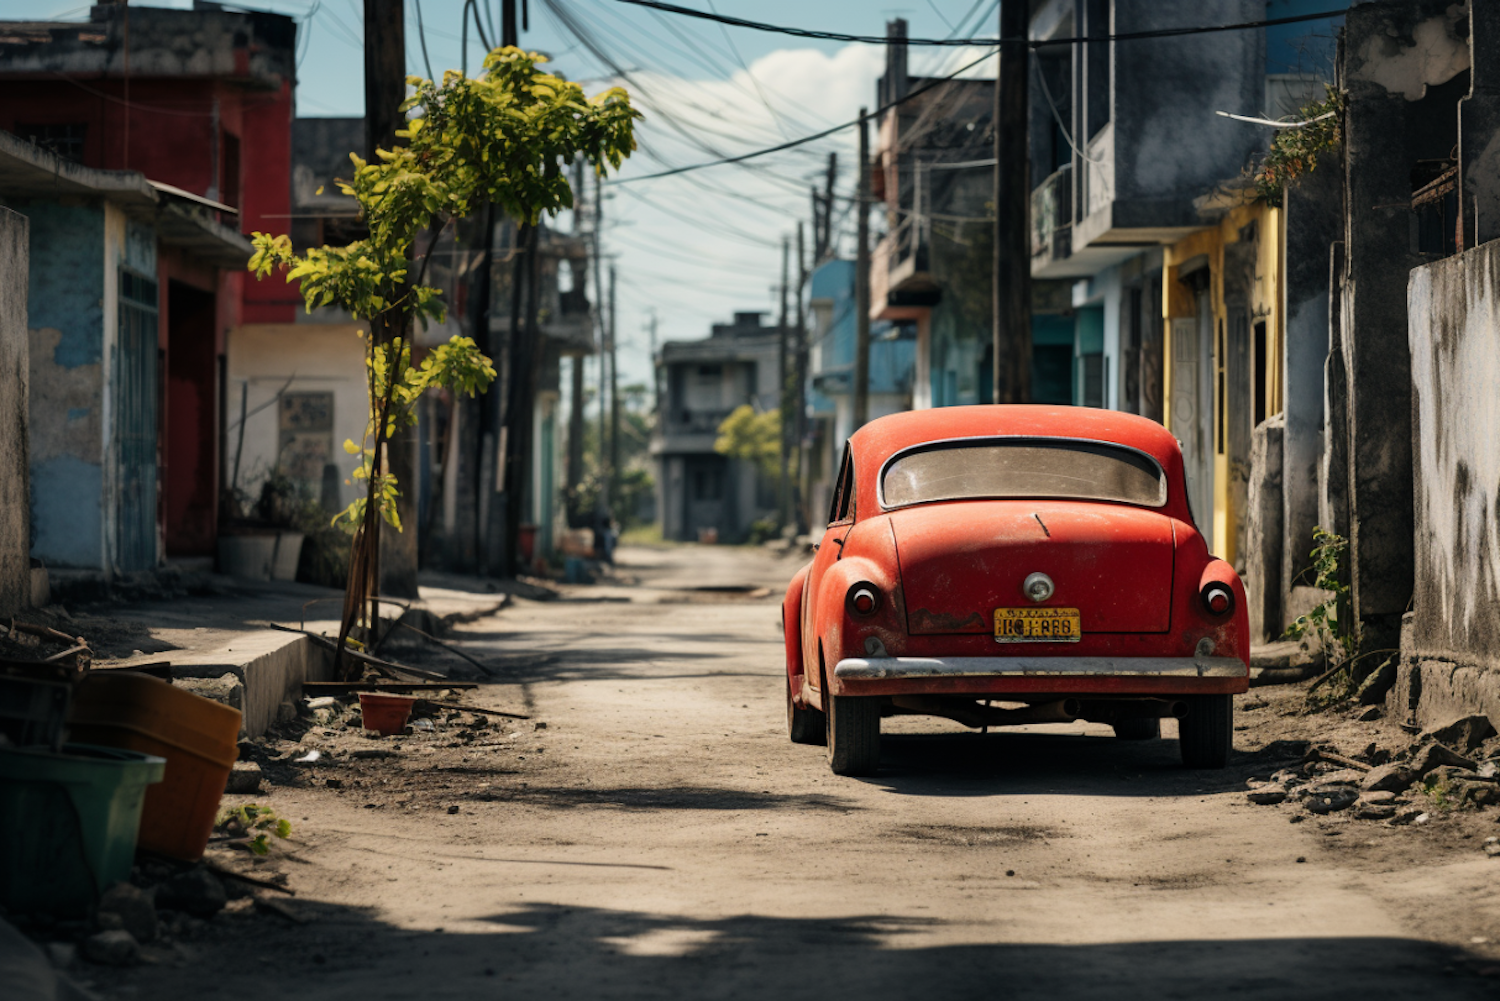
<point x="756" y="438"/>
<point x="255" y="824"/>
<point x="501" y="138"/>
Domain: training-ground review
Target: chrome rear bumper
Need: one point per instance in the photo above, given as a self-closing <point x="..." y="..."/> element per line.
<point x="897" y="668"/>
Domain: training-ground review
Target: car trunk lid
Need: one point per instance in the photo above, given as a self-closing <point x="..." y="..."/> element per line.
<point x="962" y="560"/>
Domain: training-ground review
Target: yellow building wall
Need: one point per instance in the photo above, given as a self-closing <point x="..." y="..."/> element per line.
<point x="1179" y="302"/>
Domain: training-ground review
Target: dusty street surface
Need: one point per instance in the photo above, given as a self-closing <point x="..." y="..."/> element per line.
<point x="660" y="837"/>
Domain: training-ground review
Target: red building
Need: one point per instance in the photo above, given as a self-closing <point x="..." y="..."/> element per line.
<point x="201" y="103"/>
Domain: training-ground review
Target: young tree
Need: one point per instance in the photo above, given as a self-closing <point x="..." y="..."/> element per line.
<point x="501" y="139"/>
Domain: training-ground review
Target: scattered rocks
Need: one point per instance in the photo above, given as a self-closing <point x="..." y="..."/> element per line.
<point x="244" y="778"/>
<point x="1373" y="689"/>
<point x="1377" y="796"/>
<point x="1330" y="799"/>
<point x="1433" y="754"/>
<point x="133" y="908"/>
<point x="1492" y="847"/>
<point x="1374" y="811"/>
<point x="1371" y="714"/>
<point x="1464" y="733"/>
<point x="113" y="948"/>
<point x="1267" y="795"/>
<point x="197" y="892"/>
<point x="1406" y="816"/>
<point x="1392" y="778"/>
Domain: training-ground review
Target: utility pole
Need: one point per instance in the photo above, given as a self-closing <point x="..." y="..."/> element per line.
<point x="602" y="500"/>
<point x="393" y="569"/>
<point x="575" y="408"/>
<point x="508" y="33"/>
<point x="862" y="278"/>
<point x="1012" y="374"/>
<point x="614" y="401"/>
<point x="827" y="239"/>
<point x="783" y="397"/>
<point x="799" y="394"/>
<point x="655" y="369"/>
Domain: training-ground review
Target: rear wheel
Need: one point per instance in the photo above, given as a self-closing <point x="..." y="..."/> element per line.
<point x="804" y="724"/>
<point x="853" y="734"/>
<point x="1138" y="728"/>
<point x="1206" y="732"/>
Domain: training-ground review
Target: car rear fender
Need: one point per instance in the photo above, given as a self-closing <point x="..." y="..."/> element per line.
<point x="1197" y="567"/>
<point x="845" y="634"/>
<point x="791" y="628"/>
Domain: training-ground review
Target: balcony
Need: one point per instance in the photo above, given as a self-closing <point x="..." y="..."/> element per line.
<point x="1052" y="220"/>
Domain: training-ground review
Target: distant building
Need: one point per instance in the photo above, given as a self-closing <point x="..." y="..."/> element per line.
<point x="704" y="382"/>
<point x="830" y="402"/>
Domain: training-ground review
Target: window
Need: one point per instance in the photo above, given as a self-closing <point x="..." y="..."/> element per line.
<point x="708" y="484"/>
<point x="843" y="491"/>
<point x="64" y="140"/>
<point x="1016" y="468"/>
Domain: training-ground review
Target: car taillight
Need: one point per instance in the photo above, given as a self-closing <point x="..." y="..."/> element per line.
<point x="863" y="599"/>
<point x="1218" y="599"/>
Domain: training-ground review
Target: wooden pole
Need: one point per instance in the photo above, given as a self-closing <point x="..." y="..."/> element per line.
<point x="783" y="396"/>
<point x="862" y="279"/>
<point x="1012" y="332"/>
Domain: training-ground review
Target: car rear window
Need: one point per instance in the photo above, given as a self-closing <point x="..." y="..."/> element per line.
<point x="1014" y="468"/>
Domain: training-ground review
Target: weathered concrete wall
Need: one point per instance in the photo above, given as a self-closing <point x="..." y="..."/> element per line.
<point x="15" y="526"/>
<point x="1171" y="148"/>
<point x="66" y="317"/>
<point x="1455" y="349"/>
<point x="1404" y="72"/>
<point x="1313" y="218"/>
<point x="1479" y="129"/>
<point x="1264" y="530"/>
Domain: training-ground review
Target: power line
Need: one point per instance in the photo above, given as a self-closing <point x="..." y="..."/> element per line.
<point x="836" y="36"/>
<point x="806" y="139"/>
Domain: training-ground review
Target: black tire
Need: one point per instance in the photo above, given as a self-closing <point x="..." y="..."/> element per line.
<point x="853" y="734"/>
<point x="1138" y="728"/>
<point x="805" y="725"/>
<point x="1207" y="731"/>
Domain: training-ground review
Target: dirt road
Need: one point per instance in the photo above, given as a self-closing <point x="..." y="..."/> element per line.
<point x="660" y="837"/>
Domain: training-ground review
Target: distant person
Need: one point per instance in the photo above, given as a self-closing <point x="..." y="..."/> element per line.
<point x="606" y="533"/>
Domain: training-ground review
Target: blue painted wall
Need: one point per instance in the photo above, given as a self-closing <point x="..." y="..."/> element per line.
<point x="66" y="290"/>
<point x="66" y="294"/>
<point x="893" y="351"/>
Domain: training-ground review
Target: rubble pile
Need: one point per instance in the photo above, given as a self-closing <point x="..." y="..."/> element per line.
<point x="151" y="918"/>
<point x="1451" y="767"/>
<point x="449" y="752"/>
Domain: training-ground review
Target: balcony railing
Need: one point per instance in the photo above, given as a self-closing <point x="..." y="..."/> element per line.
<point x="1052" y="213"/>
<point x="695" y="421"/>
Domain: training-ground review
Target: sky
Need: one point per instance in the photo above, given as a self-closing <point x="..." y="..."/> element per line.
<point x="694" y="248"/>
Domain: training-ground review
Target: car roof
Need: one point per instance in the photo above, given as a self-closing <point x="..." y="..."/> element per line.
<point x="878" y="440"/>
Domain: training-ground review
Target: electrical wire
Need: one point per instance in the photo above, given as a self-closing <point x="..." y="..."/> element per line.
<point x="422" y="34"/>
<point x="835" y="36"/>
<point x="805" y="139"/>
<point x="1057" y="116"/>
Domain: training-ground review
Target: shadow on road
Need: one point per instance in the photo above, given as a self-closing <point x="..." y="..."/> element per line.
<point x="973" y="764"/>
<point x="550" y="951"/>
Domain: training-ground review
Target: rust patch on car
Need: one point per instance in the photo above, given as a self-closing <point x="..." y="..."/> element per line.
<point x="925" y="621"/>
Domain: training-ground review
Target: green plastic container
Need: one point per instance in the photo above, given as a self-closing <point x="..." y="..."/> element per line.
<point x="68" y="823"/>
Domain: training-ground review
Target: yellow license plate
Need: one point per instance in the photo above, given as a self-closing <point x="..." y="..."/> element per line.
<point x="1038" y="625"/>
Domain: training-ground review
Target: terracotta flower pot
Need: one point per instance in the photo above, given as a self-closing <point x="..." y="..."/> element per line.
<point x="385" y="714"/>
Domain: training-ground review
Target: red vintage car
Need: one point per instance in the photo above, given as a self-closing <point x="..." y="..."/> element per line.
<point x="1038" y="557"/>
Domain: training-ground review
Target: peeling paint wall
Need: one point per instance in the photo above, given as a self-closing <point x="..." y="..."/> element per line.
<point x="66" y="320"/>
<point x="15" y="526"/>
<point x="1455" y="365"/>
